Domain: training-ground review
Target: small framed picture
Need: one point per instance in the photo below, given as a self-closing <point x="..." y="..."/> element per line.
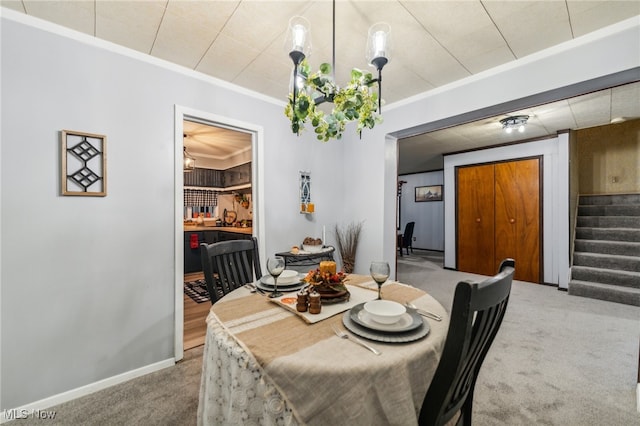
<point x="428" y="193"/>
<point x="84" y="164"/>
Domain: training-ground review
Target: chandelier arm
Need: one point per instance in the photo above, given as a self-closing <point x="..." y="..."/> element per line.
<point x="379" y="90"/>
<point x="333" y="57"/>
<point x="295" y="85"/>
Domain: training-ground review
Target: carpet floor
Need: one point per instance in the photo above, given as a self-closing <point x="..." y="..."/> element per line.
<point x="557" y="360"/>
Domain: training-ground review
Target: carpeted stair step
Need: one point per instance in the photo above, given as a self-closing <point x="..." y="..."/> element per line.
<point x="609" y="234"/>
<point x="626" y="295"/>
<point x="624" y="248"/>
<point x="606" y="276"/>
<point x="610" y="199"/>
<point x="607" y="261"/>
<point x="609" y="222"/>
<point x="609" y="210"/>
<point x="606" y="258"/>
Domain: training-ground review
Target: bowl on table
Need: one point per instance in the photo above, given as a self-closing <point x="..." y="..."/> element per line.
<point x="312" y="249"/>
<point x="384" y="311"/>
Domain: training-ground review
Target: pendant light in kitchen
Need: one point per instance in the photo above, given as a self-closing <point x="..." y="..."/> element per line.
<point x="188" y="162"/>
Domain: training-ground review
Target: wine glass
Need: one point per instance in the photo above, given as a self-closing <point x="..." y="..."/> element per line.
<point x="380" y="273"/>
<point x="275" y="266"/>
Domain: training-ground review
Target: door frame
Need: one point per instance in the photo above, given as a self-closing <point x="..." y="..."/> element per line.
<point x="555" y="200"/>
<point x="182" y="113"/>
<point x="540" y="159"/>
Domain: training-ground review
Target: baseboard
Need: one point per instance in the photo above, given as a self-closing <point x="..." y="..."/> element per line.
<point x="638" y="397"/>
<point x="38" y="409"/>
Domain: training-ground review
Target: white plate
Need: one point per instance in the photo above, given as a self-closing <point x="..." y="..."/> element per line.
<point x="408" y="321"/>
<point x="287" y="288"/>
<point x="288" y="276"/>
<point x="383" y="336"/>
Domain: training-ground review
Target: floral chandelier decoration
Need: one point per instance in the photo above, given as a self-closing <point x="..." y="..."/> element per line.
<point x="357" y="101"/>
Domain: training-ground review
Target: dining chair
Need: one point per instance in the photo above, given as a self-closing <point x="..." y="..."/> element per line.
<point x="228" y="265"/>
<point x="476" y="315"/>
<point x="405" y="240"/>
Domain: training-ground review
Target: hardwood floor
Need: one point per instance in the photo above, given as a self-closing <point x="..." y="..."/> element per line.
<point x="195" y="327"/>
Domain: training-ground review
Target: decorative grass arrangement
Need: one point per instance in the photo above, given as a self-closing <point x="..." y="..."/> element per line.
<point x="347" y="239"/>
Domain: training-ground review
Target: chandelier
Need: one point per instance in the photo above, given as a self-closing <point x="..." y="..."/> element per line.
<point x="514" y="122"/>
<point x="357" y="101"/>
<point x="188" y="162"/>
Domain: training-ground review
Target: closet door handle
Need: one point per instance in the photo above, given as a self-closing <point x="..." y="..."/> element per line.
<point x="477" y="220"/>
<point x="512" y="221"/>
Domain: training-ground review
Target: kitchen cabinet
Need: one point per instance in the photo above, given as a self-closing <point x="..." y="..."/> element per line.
<point x="211" y="237"/>
<point x="192" y="261"/>
<point x="239" y="175"/>
<point x="499" y="216"/>
<point x="227" y="235"/>
<point x="210" y="178"/>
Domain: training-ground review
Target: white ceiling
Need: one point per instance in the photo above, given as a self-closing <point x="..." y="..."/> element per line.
<point x="434" y="43"/>
<point x="215" y="143"/>
<point x="424" y="152"/>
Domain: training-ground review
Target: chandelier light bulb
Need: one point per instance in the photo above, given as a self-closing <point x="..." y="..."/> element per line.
<point x="298" y="37"/>
<point x="299" y="34"/>
<point x="521" y="128"/>
<point x="379" y="44"/>
<point x="508" y="130"/>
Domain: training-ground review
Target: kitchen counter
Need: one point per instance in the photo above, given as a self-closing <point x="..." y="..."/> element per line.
<point x="233" y="229"/>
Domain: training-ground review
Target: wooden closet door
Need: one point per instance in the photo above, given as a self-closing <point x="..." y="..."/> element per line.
<point x="475" y="219"/>
<point x="517" y="217"/>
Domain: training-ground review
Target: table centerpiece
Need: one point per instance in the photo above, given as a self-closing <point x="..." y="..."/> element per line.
<point x="328" y="283"/>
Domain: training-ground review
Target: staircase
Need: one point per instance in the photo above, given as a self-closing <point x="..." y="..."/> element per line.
<point x="606" y="257"/>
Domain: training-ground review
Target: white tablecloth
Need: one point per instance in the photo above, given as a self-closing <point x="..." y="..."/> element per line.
<point x="264" y="365"/>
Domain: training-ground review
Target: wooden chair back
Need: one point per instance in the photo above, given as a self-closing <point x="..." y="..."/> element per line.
<point x="476" y="315"/>
<point x="228" y="265"/>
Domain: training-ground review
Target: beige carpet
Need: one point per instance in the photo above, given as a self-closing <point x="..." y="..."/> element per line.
<point x="557" y="360"/>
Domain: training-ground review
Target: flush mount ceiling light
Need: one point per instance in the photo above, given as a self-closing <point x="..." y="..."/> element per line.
<point x="514" y="122"/>
<point x="358" y="101"/>
<point x="188" y="162"/>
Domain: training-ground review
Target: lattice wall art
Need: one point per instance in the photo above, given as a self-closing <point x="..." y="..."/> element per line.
<point x="306" y="206"/>
<point x="84" y="164"/>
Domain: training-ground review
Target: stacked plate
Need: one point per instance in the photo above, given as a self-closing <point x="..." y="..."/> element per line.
<point x="288" y="281"/>
<point x="409" y="327"/>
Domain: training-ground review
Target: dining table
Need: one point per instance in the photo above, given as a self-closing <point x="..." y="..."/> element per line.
<point x="266" y="363"/>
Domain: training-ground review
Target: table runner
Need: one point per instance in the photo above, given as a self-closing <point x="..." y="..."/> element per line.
<point x="357" y="295"/>
<point x="320" y="375"/>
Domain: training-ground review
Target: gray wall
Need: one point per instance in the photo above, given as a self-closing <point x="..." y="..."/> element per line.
<point x="88" y="283"/>
<point x="428" y="216"/>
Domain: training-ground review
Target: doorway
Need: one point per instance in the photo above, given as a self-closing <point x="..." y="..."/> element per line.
<point x="183" y="119"/>
<point x="219" y="171"/>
